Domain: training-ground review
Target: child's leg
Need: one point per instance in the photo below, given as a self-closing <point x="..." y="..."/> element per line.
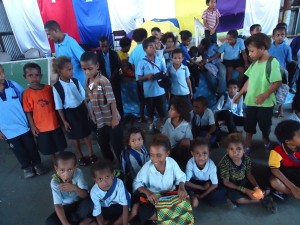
<point x="88" y="142"/>
<point x="134" y="211"/>
<point x="229" y="71"/>
<point x="140" y="92"/>
<point x="221" y="78"/>
<point x="250" y="124"/>
<point x="248" y="140"/>
<point x="194" y="201"/>
<point x="88" y="221"/>
<point x="150" y="109"/>
<point x="77" y="146"/>
<point x="116" y="134"/>
<point x="245" y="200"/>
<point x="103" y="138"/>
<point x="241" y="71"/>
<point x="280" y="111"/>
<point x="160" y="105"/>
<point x="264" y="116"/>
<point x="278" y="185"/>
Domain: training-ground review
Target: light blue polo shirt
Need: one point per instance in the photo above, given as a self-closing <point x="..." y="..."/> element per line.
<point x="136" y="56"/>
<point x="232" y="52"/>
<point x="151" y="87"/>
<point x="70" y="48"/>
<point x="178" y="80"/>
<point x="107" y="64"/>
<point x="13" y="121"/>
<point x="282" y="52"/>
<point x="212" y="50"/>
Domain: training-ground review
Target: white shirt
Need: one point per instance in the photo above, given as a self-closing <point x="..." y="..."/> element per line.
<point x="236" y="109"/>
<point x="209" y="172"/>
<point x="117" y="197"/>
<point x="206" y="119"/>
<point x="176" y="134"/>
<point x="156" y="182"/>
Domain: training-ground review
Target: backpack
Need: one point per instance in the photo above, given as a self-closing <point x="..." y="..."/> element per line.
<point x="60" y="90"/>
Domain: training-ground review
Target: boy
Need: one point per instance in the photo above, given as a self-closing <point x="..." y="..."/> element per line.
<point x="104" y="111"/>
<point x="255" y="29"/>
<point x="155" y="97"/>
<point x="229" y="111"/>
<point x="70" y="192"/>
<point x="125" y="44"/>
<point x="201" y="175"/>
<point x="110" y="65"/>
<point x="156" y="32"/>
<point x="203" y="120"/>
<point x="66" y="46"/>
<point x="111" y="199"/>
<point x="137" y="54"/>
<point x="14" y="128"/>
<point x="38" y="103"/>
<point x="284" y="160"/>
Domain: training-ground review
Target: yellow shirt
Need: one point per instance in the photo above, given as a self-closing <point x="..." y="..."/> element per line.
<point x="123" y="55"/>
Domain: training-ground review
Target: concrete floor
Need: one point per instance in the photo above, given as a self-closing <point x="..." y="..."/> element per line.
<point x="29" y="202"/>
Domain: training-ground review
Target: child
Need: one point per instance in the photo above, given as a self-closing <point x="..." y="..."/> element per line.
<point x="260" y="98"/>
<point x="178" y="130"/>
<point x="134" y="156"/>
<point x="229" y="111"/>
<point x="284" y="160"/>
<point x="109" y="65"/>
<point x="211" y="20"/>
<point x="69" y="98"/>
<point x="203" y="120"/>
<point x="180" y="78"/>
<point x="125" y="44"/>
<point x="137" y="54"/>
<point x="14" y="128"/>
<point x="110" y="197"/>
<point x="232" y="48"/>
<point x="255" y="29"/>
<point x="38" y="103"/>
<point x="201" y="175"/>
<point x="155" y="97"/>
<point x="104" y="110"/>
<point x="186" y="38"/>
<point x="169" y="40"/>
<point x="160" y="174"/>
<point x="236" y="176"/>
<point x="70" y="192"/>
<point x="156" y="32"/>
<point x="296" y="108"/>
<point x="159" y="48"/>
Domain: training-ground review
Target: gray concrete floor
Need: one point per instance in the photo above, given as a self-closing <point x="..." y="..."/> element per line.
<point x="29" y="202"/>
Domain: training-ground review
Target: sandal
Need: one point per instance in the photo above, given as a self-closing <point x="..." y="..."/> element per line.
<point x="93" y="159"/>
<point x="83" y="161"/>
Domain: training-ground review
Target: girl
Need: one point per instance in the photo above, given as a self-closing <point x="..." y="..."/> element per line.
<point x="178" y="129"/>
<point x="236" y="176"/>
<point x="260" y="98"/>
<point x="134" y="156"/>
<point x="168" y="39"/>
<point x="69" y="98"/>
<point x="158" y="175"/>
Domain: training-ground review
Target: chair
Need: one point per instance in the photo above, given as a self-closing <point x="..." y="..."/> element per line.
<point x="117" y="36"/>
<point x="4" y="57"/>
<point x="34" y="53"/>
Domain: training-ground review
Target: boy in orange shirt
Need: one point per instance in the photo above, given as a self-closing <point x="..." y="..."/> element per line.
<point x="38" y="104"/>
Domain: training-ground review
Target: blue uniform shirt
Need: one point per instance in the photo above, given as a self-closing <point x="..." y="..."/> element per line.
<point x="232" y="52"/>
<point x="282" y="52"/>
<point x="136" y="56"/>
<point x="186" y="54"/>
<point x="178" y="79"/>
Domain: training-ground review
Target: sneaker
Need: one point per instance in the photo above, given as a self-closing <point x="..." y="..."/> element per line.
<point x="28" y="172"/>
<point x="230" y="204"/>
<point x="151" y="127"/>
<point x="278" y="194"/>
<point x="40" y="169"/>
<point x="269" y="203"/>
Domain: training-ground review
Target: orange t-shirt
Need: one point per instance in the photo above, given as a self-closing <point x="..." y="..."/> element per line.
<point x="41" y="104"/>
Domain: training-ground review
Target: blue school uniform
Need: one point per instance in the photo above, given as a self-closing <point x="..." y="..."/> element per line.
<point x="178" y="79"/>
<point x="282" y="52"/>
<point x="136" y="56"/>
<point x="232" y="52"/>
<point x="186" y="54"/>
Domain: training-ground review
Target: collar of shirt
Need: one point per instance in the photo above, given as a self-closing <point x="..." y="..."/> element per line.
<point x="205" y="169"/>
<point x="3" y="94"/>
<point x="106" y="54"/>
<point x="64" y="41"/>
<point x="64" y="82"/>
<point x="182" y="67"/>
<point x="154" y="170"/>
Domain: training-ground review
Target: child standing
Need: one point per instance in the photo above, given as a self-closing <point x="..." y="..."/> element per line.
<point x="69" y="98"/>
<point x="14" y="128"/>
<point x="186" y="38"/>
<point x="236" y="176"/>
<point x="229" y="111"/>
<point x="178" y="130"/>
<point x="70" y="192"/>
<point x="109" y="195"/>
<point x="201" y="175"/>
<point x="125" y="44"/>
<point x="155" y="96"/>
<point x="160" y="174"/>
<point x="134" y="156"/>
<point x="38" y="103"/>
<point x="284" y="160"/>
<point x="104" y="110"/>
<point x="169" y="40"/>
<point x="260" y="98"/>
<point x="211" y="18"/>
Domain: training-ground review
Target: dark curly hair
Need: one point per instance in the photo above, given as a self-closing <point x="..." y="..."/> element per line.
<point x="181" y="107"/>
<point x="285" y="130"/>
<point x="161" y="140"/>
<point x="234" y="138"/>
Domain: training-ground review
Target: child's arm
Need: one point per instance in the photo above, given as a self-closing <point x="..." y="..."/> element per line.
<point x="60" y="212"/>
<point x="245" y="58"/>
<point x="146" y="77"/>
<point x="2" y="136"/>
<point x="182" y="194"/>
<point x="69" y="187"/>
<point x="114" y="112"/>
<point x="252" y="180"/>
<point x="123" y="219"/>
<point x="212" y="31"/>
<point x="33" y="128"/>
<point x="209" y="190"/>
<point x="100" y="220"/>
<point x="63" y="118"/>
<point x="293" y="188"/>
<point x="242" y="189"/>
<point x="150" y="195"/>
<point x="195" y="186"/>
<point x="217" y="55"/>
<point x="188" y="81"/>
<point x="244" y="89"/>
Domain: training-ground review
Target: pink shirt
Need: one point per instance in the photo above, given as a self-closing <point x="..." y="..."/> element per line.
<point x="211" y="17"/>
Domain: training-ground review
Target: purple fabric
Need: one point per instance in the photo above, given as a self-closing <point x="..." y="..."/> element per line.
<point x="232" y="14"/>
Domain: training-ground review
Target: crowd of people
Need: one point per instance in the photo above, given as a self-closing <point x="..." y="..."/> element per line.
<point x="130" y="178"/>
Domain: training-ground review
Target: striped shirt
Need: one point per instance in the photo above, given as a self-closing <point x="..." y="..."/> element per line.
<point x="211" y="17"/>
<point x="101" y="96"/>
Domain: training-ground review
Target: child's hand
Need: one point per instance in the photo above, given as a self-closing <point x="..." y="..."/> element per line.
<point x="152" y="197"/>
<point x="212" y="31"/>
<point x="114" y="122"/>
<point x="237" y="98"/>
<point x="67" y="187"/>
<point x="247" y="65"/>
<point x="206" y="185"/>
<point x="191" y="95"/>
<point x="249" y="193"/>
<point x="182" y="194"/>
<point x="67" y="126"/>
<point x="296" y="192"/>
<point x="150" y="77"/>
<point x="35" y="131"/>
<point x="185" y="142"/>
<point x="2" y="136"/>
<point x="260" y="99"/>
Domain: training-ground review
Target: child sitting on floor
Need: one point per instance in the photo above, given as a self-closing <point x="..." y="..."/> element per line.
<point x="134" y="156"/>
<point x="236" y="176"/>
<point x="284" y="160"/>
<point x="201" y="175"/>
<point x="296" y="108"/>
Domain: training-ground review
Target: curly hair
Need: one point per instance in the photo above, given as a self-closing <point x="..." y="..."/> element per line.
<point x="234" y="138"/>
<point x="181" y="107"/>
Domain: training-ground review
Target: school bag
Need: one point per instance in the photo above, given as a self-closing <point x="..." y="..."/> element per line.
<point x="60" y="90"/>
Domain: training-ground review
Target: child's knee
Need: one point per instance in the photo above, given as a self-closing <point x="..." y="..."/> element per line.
<point x="275" y="182"/>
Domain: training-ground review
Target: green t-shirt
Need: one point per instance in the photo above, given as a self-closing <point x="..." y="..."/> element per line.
<point x="259" y="84"/>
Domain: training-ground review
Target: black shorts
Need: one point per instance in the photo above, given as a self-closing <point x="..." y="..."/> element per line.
<point x="234" y="195"/>
<point x="140" y="91"/>
<point x="292" y="174"/>
<point x="51" y="141"/>
<point x="260" y="115"/>
<point x="233" y="63"/>
<point x="159" y="103"/>
<point x="78" y="120"/>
